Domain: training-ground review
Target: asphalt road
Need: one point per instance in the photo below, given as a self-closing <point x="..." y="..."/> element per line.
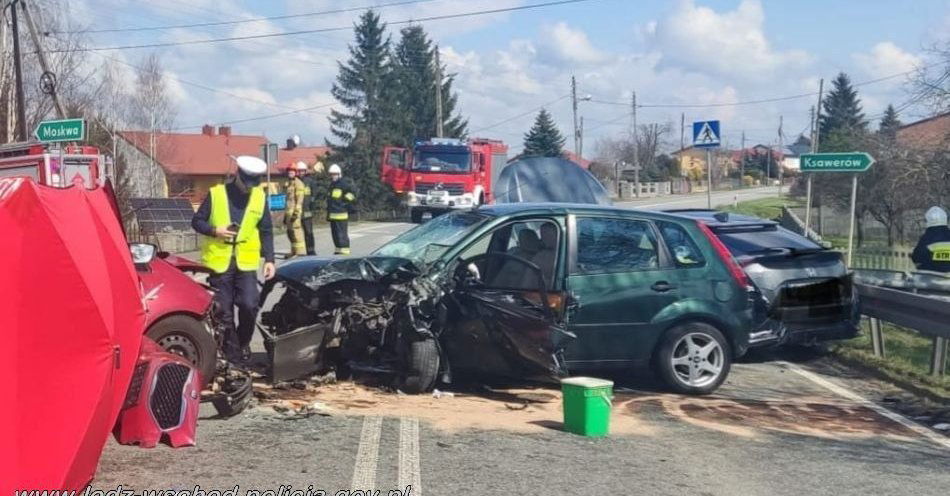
<point x="788" y="423"/>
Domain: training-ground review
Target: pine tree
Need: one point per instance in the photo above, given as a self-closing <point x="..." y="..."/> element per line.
<point x="842" y="109"/>
<point x="889" y="123"/>
<point x="544" y="139"/>
<point x="414" y="82"/>
<point x="363" y="88"/>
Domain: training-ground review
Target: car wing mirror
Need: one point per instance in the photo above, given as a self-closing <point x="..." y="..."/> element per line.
<point x="142" y="253"/>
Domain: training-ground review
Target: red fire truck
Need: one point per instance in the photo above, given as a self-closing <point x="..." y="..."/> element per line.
<point x="441" y="174"/>
<point x="51" y="166"/>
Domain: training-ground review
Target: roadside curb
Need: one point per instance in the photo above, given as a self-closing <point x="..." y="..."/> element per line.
<point x="891" y="378"/>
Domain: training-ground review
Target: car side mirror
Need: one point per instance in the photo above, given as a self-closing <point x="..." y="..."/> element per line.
<point x="142" y="253"/>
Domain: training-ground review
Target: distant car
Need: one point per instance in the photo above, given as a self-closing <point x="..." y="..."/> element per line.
<point x="519" y="289"/>
<point x="807" y="291"/>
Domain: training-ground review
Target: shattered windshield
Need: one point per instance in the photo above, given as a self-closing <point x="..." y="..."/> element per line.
<point x="429" y="241"/>
<point x="429" y="161"/>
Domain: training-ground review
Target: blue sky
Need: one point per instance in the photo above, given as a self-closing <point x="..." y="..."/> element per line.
<point x="670" y="52"/>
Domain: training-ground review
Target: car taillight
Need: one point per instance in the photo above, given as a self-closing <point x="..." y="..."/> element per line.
<point x="734" y="269"/>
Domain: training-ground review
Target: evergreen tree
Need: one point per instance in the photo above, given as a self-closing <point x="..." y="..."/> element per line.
<point x="363" y="88"/>
<point x="414" y="77"/>
<point x="841" y="109"/>
<point x="544" y="139"/>
<point x="889" y="123"/>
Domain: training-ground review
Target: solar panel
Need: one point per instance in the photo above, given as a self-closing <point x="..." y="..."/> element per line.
<point x="155" y="215"/>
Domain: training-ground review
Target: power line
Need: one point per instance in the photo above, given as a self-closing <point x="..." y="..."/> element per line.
<point x="259" y="118"/>
<point x="239" y="21"/>
<point x="755" y="102"/>
<point x="210" y="88"/>
<point x="533" y="110"/>
<point x="320" y="30"/>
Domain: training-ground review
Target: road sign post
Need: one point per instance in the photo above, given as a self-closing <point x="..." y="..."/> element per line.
<point x="853" y="162"/>
<point x="706" y="135"/>
<point x="61" y="130"/>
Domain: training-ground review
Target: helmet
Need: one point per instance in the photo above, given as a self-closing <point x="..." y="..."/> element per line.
<point x="936" y="216"/>
<point x="335" y="169"/>
<point x="301" y="166"/>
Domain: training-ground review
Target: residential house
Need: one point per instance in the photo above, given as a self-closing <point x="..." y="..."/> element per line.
<point x="692" y="162"/>
<point x="183" y="165"/>
<point x="926" y="133"/>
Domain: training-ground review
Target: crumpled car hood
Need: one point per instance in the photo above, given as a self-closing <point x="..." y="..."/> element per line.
<point x="316" y="272"/>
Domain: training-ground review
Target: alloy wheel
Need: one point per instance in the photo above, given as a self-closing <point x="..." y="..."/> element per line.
<point x="698" y="359"/>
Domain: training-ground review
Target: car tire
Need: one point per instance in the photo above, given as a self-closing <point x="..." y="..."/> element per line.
<point x="416" y="216"/>
<point x="187" y="336"/>
<point x="693" y="358"/>
<point x="422" y="367"/>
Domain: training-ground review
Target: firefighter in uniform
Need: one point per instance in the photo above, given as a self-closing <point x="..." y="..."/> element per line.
<point x="933" y="250"/>
<point x="238" y="232"/>
<point x="340" y="204"/>
<point x="310" y="205"/>
<point x="293" y="216"/>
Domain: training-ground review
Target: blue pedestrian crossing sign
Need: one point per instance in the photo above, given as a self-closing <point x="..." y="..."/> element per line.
<point x="706" y="134"/>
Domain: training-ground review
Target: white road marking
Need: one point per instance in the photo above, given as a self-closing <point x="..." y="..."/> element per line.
<point x="410" y="473"/>
<point x="851" y="395"/>
<point x="367" y="455"/>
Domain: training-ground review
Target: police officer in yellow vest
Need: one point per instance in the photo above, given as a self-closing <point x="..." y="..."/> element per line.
<point x="236" y="223"/>
<point x="340" y="204"/>
<point x="293" y="215"/>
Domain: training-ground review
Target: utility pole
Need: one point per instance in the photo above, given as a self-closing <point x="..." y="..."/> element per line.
<point x="682" y="130"/>
<point x="742" y="163"/>
<point x="574" y="106"/>
<point x="816" y="130"/>
<point x="438" y="94"/>
<point x="20" y="105"/>
<point x="781" y="154"/>
<point x="44" y="64"/>
<point x="636" y="147"/>
<point x="580" y="150"/>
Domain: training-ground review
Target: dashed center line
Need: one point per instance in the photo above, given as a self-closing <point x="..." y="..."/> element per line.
<point x="410" y="473"/>
<point x="367" y="455"/>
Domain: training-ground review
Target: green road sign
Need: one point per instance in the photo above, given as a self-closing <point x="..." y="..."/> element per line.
<point x="836" y="162"/>
<point x="64" y="130"/>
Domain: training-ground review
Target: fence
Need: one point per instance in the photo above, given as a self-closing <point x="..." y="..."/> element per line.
<point x="863" y="258"/>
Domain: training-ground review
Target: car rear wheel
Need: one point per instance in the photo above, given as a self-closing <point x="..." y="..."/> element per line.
<point x="693" y="358"/>
<point x="421" y="367"/>
<point x="187" y="336"/>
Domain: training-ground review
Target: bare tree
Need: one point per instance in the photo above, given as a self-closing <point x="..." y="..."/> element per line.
<point x="644" y="148"/>
<point x="930" y="84"/>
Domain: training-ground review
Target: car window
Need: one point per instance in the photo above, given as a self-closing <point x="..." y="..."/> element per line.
<point x="614" y="245"/>
<point x="683" y="249"/>
<point x="750" y="242"/>
<point x="537" y="242"/>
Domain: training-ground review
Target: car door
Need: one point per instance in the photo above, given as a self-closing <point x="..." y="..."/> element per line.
<point x="618" y="282"/>
<point x="505" y="312"/>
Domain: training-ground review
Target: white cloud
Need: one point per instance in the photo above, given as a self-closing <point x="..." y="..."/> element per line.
<point x="570" y="45"/>
<point x="730" y="43"/>
<point x="886" y="59"/>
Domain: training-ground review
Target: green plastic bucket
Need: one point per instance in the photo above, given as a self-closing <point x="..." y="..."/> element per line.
<point x="587" y="405"/>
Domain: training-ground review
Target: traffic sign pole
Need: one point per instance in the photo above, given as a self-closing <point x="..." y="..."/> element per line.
<point x="807" y="203"/>
<point x="854" y="202"/>
<point x="709" y="179"/>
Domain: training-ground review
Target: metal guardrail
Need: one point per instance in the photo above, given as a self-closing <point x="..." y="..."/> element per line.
<point x="918" y="301"/>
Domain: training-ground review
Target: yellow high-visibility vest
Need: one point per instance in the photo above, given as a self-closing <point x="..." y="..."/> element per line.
<point x="216" y="253"/>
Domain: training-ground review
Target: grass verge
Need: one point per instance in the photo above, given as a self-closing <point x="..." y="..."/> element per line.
<point x="907" y="359"/>
<point x="766" y="208"/>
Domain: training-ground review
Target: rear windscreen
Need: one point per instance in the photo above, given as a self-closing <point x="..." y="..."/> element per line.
<point x="757" y="241"/>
